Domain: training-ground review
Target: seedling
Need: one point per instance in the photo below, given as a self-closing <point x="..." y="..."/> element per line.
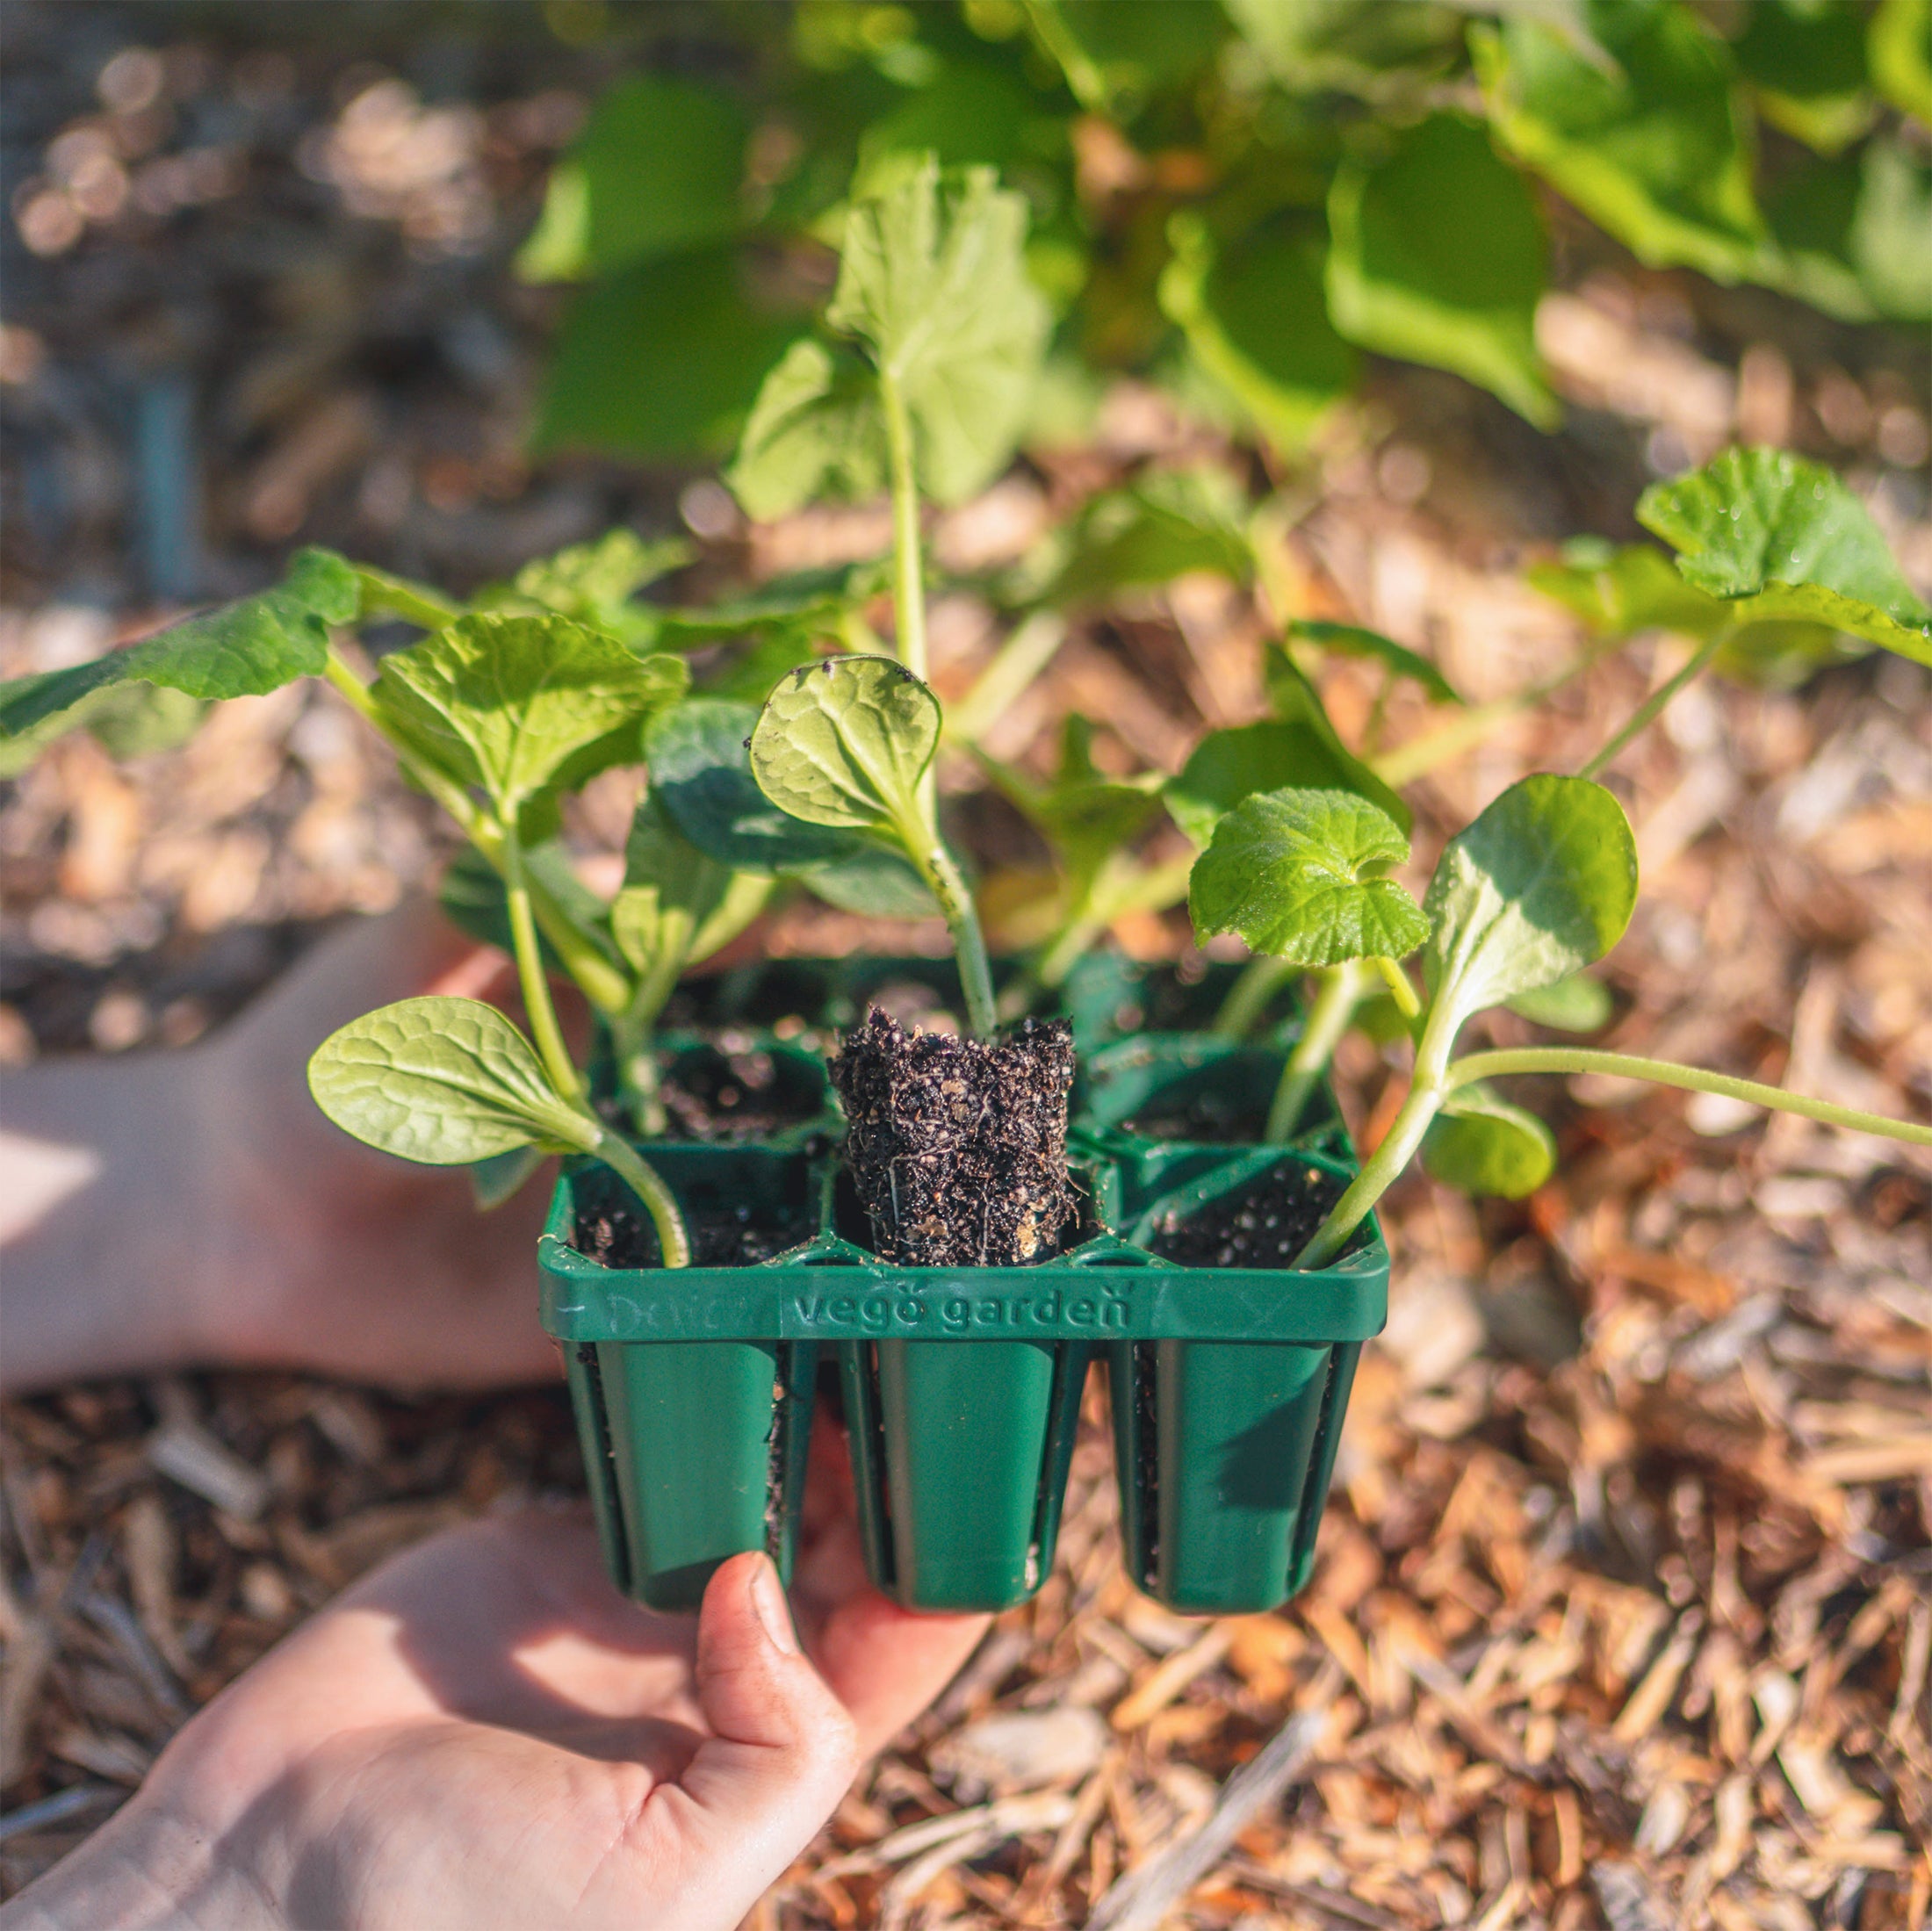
<point x="1538" y="887"/>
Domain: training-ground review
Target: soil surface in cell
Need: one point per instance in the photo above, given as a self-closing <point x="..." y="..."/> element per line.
<point x="622" y="1235"/>
<point x="1205" y="1117"/>
<point x="730" y="1097"/>
<point x="1264" y="1224"/>
<point x="958" y="1148"/>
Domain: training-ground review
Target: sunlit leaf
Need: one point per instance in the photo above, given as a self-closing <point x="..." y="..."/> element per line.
<point x="1900" y="52"/>
<point x="1229" y="765"/>
<point x="1806" y="61"/>
<point x="1538" y="887"/>
<point x="815" y="430"/>
<point x="443" y="1081"/>
<point x="1351" y="640"/>
<point x="1358" y="47"/>
<point x="595" y="583"/>
<point x="1438" y="256"/>
<point x="1165" y="525"/>
<point x="1479" y="1143"/>
<point x="1301" y="875"/>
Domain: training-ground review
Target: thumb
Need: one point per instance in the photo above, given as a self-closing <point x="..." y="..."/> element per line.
<point x="782" y="1749"/>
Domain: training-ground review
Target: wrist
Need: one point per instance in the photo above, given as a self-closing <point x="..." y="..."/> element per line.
<point x="144" y="1870"/>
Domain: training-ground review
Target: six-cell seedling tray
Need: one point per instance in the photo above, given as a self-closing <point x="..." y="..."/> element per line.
<point x="694" y="1387"/>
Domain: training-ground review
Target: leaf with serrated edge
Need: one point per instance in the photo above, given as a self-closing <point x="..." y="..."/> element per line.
<point x="1538" y="887"/>
<point x="511" y="700"/>
<point x="1784" y="538"/>
<point x="1479" y="1143"/>
<point x="241" y="650"/>
<point x="845" y="743"/>
<point x="442" y="1081"/>
<point x="1299" y="873"/>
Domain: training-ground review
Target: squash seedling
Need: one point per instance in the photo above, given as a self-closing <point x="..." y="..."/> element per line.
<point x="1538" y="887"/>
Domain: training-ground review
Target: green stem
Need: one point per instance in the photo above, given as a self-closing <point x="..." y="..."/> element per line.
<point x="531" y="978"/>
<point x="1261" y="979"/>
<point x="409" y="600"/>
<point x="1400" y="987"/>
<point x="1379" y="1172"/>
<point x="648" y="1184"/>
<point x="943" y="878"/>
<point x="1663" y="1072"/>
<point x="1328" y="1017"/>
<point x="1015" y="666"/>
<point x="908" y="575"/>
<point x="1647" y="712"/>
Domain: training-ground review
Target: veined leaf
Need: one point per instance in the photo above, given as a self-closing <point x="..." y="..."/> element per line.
<point x="933" y="279"/>
<point x="1538" y="887"/>
<point x="1899" y="46"/>
<point x="593" y="583"/>
<point x="442" y="1081"/>
<point x="671" y="891"/>
<point x="816" y="429"/>
<point x="845" y="743"/>
<point x="1300" y="874"/>
<point x="1787" y="538"/>
<point x="1256" y="319"/>
<point x="1479" y="1143"/>
<point x="1351" y="640"/>
<point x="1438" y="256"/>
<point x="1656" y="148"/>
<point x="241" y="650"/>
<point x="658" y="168"/>
<point x="514" y="703"/>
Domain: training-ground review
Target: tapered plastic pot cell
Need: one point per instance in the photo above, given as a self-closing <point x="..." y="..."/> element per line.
<point x="1191" y="1087"/>
<point x="960" y="1452"/>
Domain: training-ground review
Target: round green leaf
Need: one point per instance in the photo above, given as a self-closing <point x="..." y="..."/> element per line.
<point x="443" y="1081"/>
<point x="1541" y="884"/>
<point x="1479" y="1143"/>
<point x="845" y="742"/>
<point x="1299" y="873"/>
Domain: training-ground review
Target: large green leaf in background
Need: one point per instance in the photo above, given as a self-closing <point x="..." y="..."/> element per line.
<point x="1438" y="256"/>
<point x="663" y="360"/>
<point x="815" y="430"/>
<point x="1255" y="318"/>
<point x="1806" y="61"/>
<point x="932" y="280"/>
<point x="1855" y="232"/>
<point x="970" y="114"/>
<point x="1540" y="885"/>
<point x="241" y="650"/>
<point x="1358" y="47"/>
<point x="1165" y="524"/>
<point x="1083" y="815"/>
<point x="1900" y="52"/>
<point x="1301" y="875"/>
<point x="442" y="1081"/>
<point x="1786" y="538"/>
<point x="1656" y="149"/>
<point x="1114" y="56"/>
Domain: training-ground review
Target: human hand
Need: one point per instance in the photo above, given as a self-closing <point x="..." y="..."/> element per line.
<point x="484" y="1733"/>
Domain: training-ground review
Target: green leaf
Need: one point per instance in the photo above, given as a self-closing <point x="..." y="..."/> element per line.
<point x="1899" y="47"/>
<point x="932" y="280"/>
<point x="593" y="583"/>
<point x="129" y="721"/>
<point x="1228" y="766"/>
<point x="474" y="899"/>
<point x="970" y="113"/>
<point x="1351" y="640"/>
<point x="1479" y="1143"/>
<point x="1856" y="234"/>
<point x="241" y="650"/>
<point x="1116" y="56"/>
<point x="845" y="743"/>
<point x="700" y="770"/>
<point x="518" y="703"/>
<point x="1438" y="256"/>
<point x="871" y="882"/>
<point x="1578" y="1004"/>
<point x="1084" y="817"/>
<point x="815" y="430"/>
<point x="663" y="361"/>
<point x="442" y="1081"/>
<point x="1256" y="319"/>
<point x="1356" y="47"/>
<point x="671" y="891"/>
<point x="808" y="601"/>
<point x="1300" y="874"/>
<point x="1656" y="149"/>
<point x="1786" y="538"/>
<point x="1298" y="704"/>
<point x="1167" y="524"/>
<point x="1806" y="61"/>
<point x="658" y="168"/>
<point x="498" y="1180"/>
<point x="1538" y="887"/>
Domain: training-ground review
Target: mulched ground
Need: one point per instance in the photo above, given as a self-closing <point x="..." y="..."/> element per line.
<point x="1623" y="1611"/>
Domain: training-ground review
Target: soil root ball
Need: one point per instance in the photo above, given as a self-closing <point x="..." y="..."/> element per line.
<point x="958" y="1147"/>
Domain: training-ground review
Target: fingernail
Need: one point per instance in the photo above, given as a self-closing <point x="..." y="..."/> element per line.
<point x="768" y="1599"/>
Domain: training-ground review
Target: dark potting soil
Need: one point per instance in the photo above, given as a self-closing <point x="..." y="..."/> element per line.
<point x="1203" y="1117"/>
<point x="621" y="1235"/>
<point x="1264" y="1224"/>
<point x="729" y="1097"/>
<point x="957" y="1146"/>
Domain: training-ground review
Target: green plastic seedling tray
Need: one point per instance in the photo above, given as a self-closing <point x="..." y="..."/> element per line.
<point x="693" y="1389"/>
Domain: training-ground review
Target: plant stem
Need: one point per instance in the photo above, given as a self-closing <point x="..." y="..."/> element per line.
<point x="908" y="574"/>
<point x="659" y="1201"/>
<point x="928" y="851"/>
<point x="1402" y="987"/>
<point x="531" y="979"/>
<point x="1647" y="712"/>
<point x="1261" y="979"/>
<point x="405" y="600"/>
<point x="1334" y="1007"/>
<point x="1663" y="1072"/>
<point x="1379" y="1173"/>
<point x="1015" y="666"/>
